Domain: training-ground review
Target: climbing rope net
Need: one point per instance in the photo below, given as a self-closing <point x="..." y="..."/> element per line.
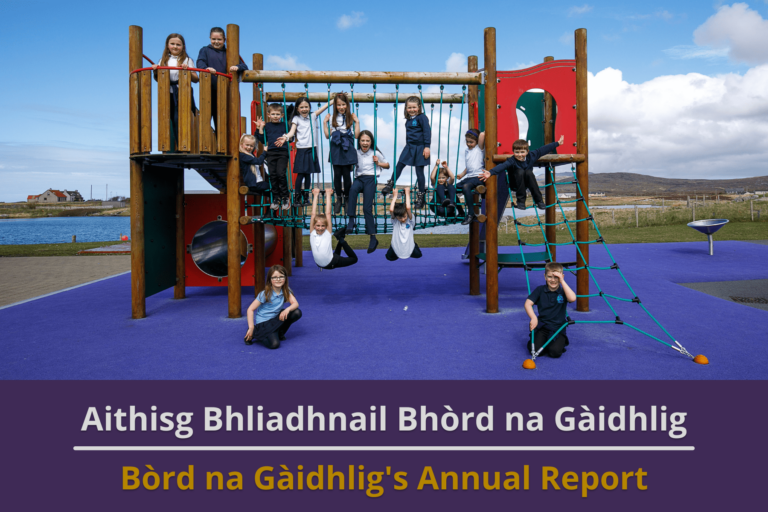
<point x="298" y="216"/>
<point x="606" y="297"/>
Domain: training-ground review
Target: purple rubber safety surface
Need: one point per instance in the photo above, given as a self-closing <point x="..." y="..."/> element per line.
<point x="409" y="319"/>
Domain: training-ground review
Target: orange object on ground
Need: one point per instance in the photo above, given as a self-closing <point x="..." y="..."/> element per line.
<point x="528" y="364"/>
<point x="700" y="359"/>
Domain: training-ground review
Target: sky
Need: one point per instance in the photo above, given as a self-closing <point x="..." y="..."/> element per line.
<point x="677" y="89"/>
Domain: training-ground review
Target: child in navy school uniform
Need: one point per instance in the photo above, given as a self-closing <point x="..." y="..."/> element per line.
<point x="441" y="178"/>
<point x="250" y="171"/>
<point x="418" y="137"/>
<point x="277" y="154"/>
<point x="214" y="58"/>
<point x="551" y="300"/>
<point x="520" y="171"/>
<point x="306" y="161"/>
<point x="342" y="140"/>
<point x="175" y="56"/>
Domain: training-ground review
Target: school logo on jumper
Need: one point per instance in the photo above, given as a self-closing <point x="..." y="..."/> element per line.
<point x="414" y="123"/>
<point x="559" y="299"/>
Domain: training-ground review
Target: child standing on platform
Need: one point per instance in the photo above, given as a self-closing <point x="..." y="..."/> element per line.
<point x="320" y="237"/>
<point x="272" y="321"/>
<point x="520" y="171"/>
<point x="306" y="162"/>
<point x="277" y="154"/>
<point x="342" y="140"/>
<point x="369" y="162"/>
<point x="418" y="137"/>
<point x="175" y="56"/>
<point x="403" y="245"/>
<point x="551" y="300"/>
<point x="214" y="58"/>
<point x="474" y="157"/>
<point x="250" y="166"/>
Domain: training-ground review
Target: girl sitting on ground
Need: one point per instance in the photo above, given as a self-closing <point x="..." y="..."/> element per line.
<point x="403" y="223"/>
<point x="320" y="237"/>
<point x="272" y="321"/>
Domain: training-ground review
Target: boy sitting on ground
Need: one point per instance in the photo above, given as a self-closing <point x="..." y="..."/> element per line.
<point x="550" y="300"/>
<point x="520" y="171"/>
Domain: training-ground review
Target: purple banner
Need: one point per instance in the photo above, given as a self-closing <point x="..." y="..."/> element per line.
<point x="127" y="445"/>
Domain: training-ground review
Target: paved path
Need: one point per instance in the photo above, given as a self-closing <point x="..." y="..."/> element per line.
<point x="26" y="278"/>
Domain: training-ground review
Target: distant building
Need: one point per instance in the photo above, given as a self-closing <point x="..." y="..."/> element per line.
<point x="597" y="194"/>
<point x="567" y="195"/>
<point x="55" y="196"/>
<point x="734" y="191"/>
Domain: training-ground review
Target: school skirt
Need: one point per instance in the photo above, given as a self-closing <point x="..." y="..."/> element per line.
<point x="303" y="163"/>
<point x="413" y="155"/>
<point x="340" y="157"/>
<point x="264" y="329"/>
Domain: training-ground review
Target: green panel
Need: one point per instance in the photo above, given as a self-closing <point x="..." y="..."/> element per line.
<point x="481" y="107"/>
<point x="532" y="105"/>
<point x="160" y="227"/>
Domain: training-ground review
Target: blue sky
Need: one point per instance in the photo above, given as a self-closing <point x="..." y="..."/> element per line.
<point x="671" y="80"/>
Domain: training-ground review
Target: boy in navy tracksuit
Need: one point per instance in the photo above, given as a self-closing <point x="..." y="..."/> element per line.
<point x="277" y="153"/>
<point x="520" y="171"/>
<point x="551" y="300"/>
<point x="214" y="58"/>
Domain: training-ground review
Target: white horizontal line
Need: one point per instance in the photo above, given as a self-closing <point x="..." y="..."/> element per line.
<point x="383" y="448"/>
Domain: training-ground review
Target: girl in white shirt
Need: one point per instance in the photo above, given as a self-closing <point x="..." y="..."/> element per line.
<point x="306" y="161"/>
<point x="369" y="163"/>
<point x="175" y="56"/>
<point x="320" y="237"/>
<point x="403" y="223"/>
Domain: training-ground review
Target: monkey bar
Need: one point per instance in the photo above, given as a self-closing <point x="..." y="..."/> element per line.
<point x="364" y="97"/>
<point x="363" y="77"/>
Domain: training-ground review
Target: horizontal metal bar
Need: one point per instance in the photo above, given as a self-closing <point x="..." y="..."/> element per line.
<point x="364" y="97"/>
<point x="362" y="77"/>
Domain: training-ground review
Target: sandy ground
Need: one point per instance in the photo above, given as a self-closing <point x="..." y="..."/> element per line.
<point x="26" y="278"/>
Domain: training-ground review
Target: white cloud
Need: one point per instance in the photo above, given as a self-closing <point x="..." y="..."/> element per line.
<point x="739" y="29"/>
<point x="696" y="52"/>
<point x="566" y="38"/>
<point x="524" y="65"/>
<point x="456" y="63"/>
<point x="576" y="11"/>
<point x="289" y="62"/>
<point x="680" y="126"/>
<point x="355" y="19"/>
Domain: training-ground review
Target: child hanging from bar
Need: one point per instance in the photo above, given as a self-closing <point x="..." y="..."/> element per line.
<point x="278" y="155"/>
<point x="445" y="192"/>
<point x="214" y="58"/>
<point x="320" y="237"/>
<point x="520" y="171"/>
<point x="342" y="141"/>
<point x="175" y="56"/>
<point x="418" y="137"/>
<point x="403" y="245"/>
<point x="272" y="321"/>
<point x="474" y="157"/>
<point x="369" y="162"/>
<point x="306" y="163"/>
<point x="551" y="300"/>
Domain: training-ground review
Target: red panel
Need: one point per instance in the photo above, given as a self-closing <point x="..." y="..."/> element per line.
<point x="557" y="77"/>
<point x="201" y="209"/>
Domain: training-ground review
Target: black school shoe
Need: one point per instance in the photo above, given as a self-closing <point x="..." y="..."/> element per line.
<point x="388" y="187"/>
<point x="447" y="202"/>
<point x="340" y="233"/>
<point x="541" y="206"/>
<point x="373" y="244"/>
<point x="520" y="206"/>
<point x="248" y="342"/>
<point x="468" y="219"/>
<point x="281" y="337"/>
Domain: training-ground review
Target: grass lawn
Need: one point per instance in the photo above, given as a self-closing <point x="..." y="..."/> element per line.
<point x="613" y="235"/>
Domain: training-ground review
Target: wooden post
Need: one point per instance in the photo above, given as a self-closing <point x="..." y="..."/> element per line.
<point x="221" y="114"/>
<point x="163" y="110"/>
<point x="491" y="193"/>
<point x="751" y="210"/>
<point x="206" y="132"/>
<point x="180" y="290"/>
<point x="259" y="260"/>
<point x="298" y="246"/>
<point x="549" y="194"/>
<point x="138" y="272"/>
<point x="243" y="127"/>
<point x="146" y="111"/>
<point x="233" y="176"/>
<point x="185" y="112"/>
<point x="582" y="169"/>
<point x="474" y="227"/>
